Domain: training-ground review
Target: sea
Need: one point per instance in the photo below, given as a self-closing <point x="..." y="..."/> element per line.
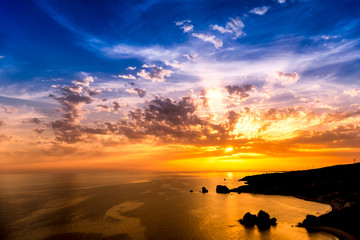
<point x="139" y="206"/>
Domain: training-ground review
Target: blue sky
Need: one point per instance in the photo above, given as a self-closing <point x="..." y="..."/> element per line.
<point x="87" y="64"/>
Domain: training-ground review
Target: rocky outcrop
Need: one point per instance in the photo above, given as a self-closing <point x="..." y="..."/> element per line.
<point x="262" y="220"/>
<point x="249" y="220"/>
<point x="204" y="190"/>
<point x="222" y="189"/>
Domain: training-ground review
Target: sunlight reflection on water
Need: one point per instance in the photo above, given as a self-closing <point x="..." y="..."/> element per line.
<point x="136" y="206"/>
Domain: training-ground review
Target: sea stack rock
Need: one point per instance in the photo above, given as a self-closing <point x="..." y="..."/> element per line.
<point x="222" y="189"/>
<point x="262" y="220"/>
<point x="204" y="190"/>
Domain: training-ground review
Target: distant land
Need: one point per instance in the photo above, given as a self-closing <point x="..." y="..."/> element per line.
<point x="337" y="185"/>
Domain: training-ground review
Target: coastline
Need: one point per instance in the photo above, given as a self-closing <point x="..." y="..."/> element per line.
<point x="337" y="232"/>
<point x="335" y="185"/>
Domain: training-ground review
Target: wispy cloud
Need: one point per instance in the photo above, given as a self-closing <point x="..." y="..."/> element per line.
<point x="185" y="25"/>
<point x="234" y="26"/>
<point x="260" y="10"/>
<point x="209" y="38"/>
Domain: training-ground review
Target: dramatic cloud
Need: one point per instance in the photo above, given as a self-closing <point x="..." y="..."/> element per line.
<point x="209" y="38"/>
<point x="234" y="26"/>
<point x="260" y="10"/>
<point x="185" y="25"/>
<point x="129" y="76"/>
<point x="157" y="74"/>
<point x="71" y="98"/>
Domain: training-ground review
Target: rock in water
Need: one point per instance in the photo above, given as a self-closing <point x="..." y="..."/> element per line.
<point x="222" y="189"/>
<point x="262" y="220"/>
<point x="204" y="190"/>
<point x="248" y="220"/>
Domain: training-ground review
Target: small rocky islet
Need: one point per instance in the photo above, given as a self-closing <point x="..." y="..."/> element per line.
<point x="262" y="220"/>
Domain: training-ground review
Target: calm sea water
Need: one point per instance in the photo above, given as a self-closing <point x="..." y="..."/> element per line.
<point x="118" y="206"/>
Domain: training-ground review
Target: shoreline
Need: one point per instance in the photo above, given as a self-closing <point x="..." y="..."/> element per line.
<point x="337" y="232"/>
<point x="336" y="186"/>
<point x="340" y="234"/>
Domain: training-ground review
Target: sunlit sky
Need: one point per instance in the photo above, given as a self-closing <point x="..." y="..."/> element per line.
<point x="159" y="85"/>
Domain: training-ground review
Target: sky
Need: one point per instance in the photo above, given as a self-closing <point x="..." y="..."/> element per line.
<point x="159" y="85"/>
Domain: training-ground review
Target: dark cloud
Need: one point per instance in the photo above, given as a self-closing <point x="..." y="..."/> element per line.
<point x="1" y="123"/>
<point x="240" y="90"/>
<point x="32" y="120"/>
<point x="38" y="131"/>
<point x="140" y="92"/>
<point x="117" y="106"/>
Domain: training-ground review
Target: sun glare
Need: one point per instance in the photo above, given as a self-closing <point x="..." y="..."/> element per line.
<point x="229" y="149"/>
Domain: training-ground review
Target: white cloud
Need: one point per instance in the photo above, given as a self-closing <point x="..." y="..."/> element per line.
<point x="260" y="10"/>
<point x="209" y="38"/>
<point x="185" y="25"/>
<point x="130" y="68"/>
<point x="129" y="76"/>
<point x="148" y="66"/>
<point x="234" y="26"/>
<point x="327" y="37"/>
<point x="157" y="75"/>
<point x="2" y="57"/>
<point x="282" y="1"/>
<point x="352" y="92"/>
<point x="182" y="22"/>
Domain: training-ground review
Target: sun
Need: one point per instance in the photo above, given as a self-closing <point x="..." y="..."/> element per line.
<point x="229" y="149"/>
